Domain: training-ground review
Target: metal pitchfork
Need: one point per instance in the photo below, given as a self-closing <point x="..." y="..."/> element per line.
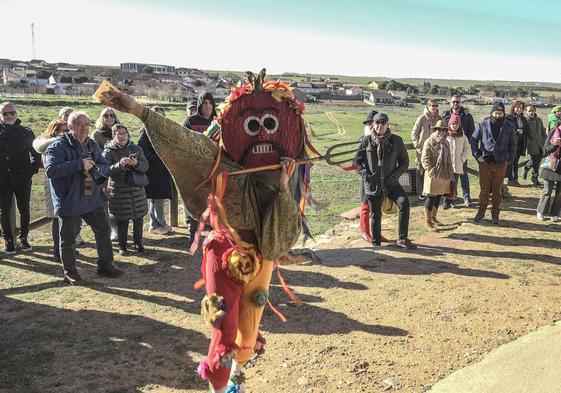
<point x="328" y="157"/>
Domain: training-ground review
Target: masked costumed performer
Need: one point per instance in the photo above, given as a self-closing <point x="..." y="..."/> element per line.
<point x="255" y="218"/>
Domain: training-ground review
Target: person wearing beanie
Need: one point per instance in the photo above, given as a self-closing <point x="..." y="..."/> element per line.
<point x="467" y="125"/>
<point x="381" y="159"/>
<point x="439" y="172"/>
<point x="459" y="148"/>
<point x="493" y="144"/>
<point x="553" y="118"/>
<point x="421" y="132"/>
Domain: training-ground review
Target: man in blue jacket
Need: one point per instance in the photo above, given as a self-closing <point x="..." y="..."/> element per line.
<point x="77" y="171"/>
<point x="493" y="144"/>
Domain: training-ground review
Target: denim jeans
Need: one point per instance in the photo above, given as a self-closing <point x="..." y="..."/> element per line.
<point x="464" y="183"/>
<point x="69" y="229"/>
<point x="157" y="213"/>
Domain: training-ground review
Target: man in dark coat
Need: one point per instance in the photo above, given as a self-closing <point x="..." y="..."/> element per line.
<point x="200" y="121"/>
<point x="77" y="172"/>
<point x="381" y="160"/>
<point x="468" y="127"/>
<point x="161" y="185"/>
<point x="18" y="163"/>
<point x="493" y="144"/>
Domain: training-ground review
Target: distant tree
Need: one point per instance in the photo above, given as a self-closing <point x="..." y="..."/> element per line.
<point x="65" y="79"/>
<point x="43" y="74"/>
<point x="80" y="79"/>
<point x="148" y="70"/>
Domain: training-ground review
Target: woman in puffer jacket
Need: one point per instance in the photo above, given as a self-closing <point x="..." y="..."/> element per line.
<point x="126" y="202"/>
<point x="40" y="144"/>
<point x="439" y="172"/>
<point x="459" y="149"/>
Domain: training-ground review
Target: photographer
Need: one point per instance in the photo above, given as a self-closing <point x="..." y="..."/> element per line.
<point x="127" y="180"/>
<point x="76" y="169"/>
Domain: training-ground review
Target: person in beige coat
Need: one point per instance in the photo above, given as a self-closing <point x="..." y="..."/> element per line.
<point x="421" y="131"/>
<point x="436" y="159"/>
<point x="459" y="148"/>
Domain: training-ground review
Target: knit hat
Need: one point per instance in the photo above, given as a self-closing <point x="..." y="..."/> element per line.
<point x="370" y="117"/>
<point x="498" y="106"/>
<point x="454" y="119"/>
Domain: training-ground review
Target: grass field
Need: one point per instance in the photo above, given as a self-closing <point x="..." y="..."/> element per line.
<point x="336" y="190"/>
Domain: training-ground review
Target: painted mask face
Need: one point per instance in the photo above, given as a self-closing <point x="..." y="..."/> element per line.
<point x="258" y="130"/>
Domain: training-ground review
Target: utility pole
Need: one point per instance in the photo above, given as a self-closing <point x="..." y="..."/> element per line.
<point x="33" y="40"/>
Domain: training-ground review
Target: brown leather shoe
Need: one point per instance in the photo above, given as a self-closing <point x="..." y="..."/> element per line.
<point x="74" y="279"/>
<point x="110" y="271"/>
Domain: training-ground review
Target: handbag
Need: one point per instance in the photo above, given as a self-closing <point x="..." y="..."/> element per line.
<point x="137" y="179"/>
<point x="550" y="162"/>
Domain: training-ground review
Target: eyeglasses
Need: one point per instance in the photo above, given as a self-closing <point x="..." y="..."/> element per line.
<point x="381" y="122"/>
<point x="9" y="113"/>
<point x="106" y="115"/>
<point x="456" y="102"/>
<point x="434" y="106"/>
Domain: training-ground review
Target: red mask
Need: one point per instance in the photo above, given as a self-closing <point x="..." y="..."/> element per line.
<point x="258" y="130"/>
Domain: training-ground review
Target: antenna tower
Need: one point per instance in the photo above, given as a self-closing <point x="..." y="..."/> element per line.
<point x="33" y="40"/>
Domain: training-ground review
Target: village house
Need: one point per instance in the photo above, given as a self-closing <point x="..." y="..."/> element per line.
<point x="380" y="97"/>
<point x="141" y="67"/>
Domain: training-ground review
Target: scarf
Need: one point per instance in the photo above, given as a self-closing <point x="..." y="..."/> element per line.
<point x="556" y="135"/>
<point x="455" y="134"/>
<point x="443" y="168"/>
<point x="519" y="121"/>
<point x="383" y="146"/>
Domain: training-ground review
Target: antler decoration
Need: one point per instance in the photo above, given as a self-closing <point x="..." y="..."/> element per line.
<point x="256" y="83"/>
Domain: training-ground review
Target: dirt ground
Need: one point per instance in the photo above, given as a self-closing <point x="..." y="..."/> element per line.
<point x="373" y="320"/>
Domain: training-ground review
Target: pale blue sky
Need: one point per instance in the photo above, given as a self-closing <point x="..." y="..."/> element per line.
<point x="401" y="38"/>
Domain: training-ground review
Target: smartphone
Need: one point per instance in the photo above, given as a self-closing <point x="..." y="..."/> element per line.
<point x="132" y="155"/>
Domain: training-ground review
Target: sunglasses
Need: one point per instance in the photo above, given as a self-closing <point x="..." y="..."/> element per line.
<point x="106" y="115"/>
<point x="10" y="113"/>
<point x="382" y="122"/>
<point x="456" y="102"/>
<point x="434" y="106"/>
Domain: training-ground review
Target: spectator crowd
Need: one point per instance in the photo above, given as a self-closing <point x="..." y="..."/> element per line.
<point x="102" y="179"/>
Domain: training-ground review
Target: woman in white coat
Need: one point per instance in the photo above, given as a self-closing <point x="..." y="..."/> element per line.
<point x="460" y="148"/>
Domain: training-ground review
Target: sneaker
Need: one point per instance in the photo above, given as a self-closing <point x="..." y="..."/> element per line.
<point x="79" y="240"/>
<point x="168" y="228"/>
<point x="406" y="243"/>
<point x="467" y="202"/>
<point x="422" y="197"/>
<point x="495" y="218"/>
<point x="447" y="206"/>
<point x="9" y="247"/>
<point x="478" y="217"/>
<point x="159" y="231"/>
<point x="535" y="181"/>
<point x="24" y="245"/>
<point x="540" y="216"/>
<point x="554" y="219"/>
<point x="123" y="251"/>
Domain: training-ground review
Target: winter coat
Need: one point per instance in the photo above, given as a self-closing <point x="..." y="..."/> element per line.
<point x="433" y="185"/>
<point x="64" y="166"/>
<point x="161" y="184"/>
<point x="101" y="136"/>
<point x="40" y="145"/>
<point x="197" y="122"/>
<point x="422" y="130"/>
<point x="521" y="139"/>
<point x="126" y="202"/>
<point x="548" y="174"/>
<point x="18" y="160"/>
<point x="483" y="144"/>
<point x="460" y="148"/>
<point x="536" y="135"/>
<point x="466" y="121"/>
<point x="378" y="179"/>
